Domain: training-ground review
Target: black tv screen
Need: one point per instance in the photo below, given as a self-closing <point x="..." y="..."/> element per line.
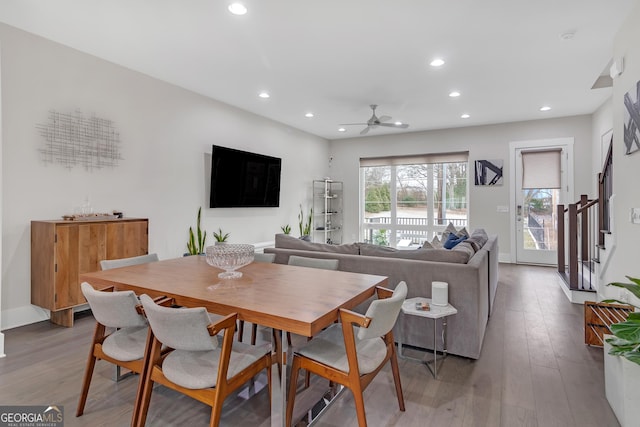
<point x="243" y="179"/>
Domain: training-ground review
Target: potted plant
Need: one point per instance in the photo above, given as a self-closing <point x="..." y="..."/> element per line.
<point x="305" y="226"/>
<point x="626" y="335"/>
<point x="622" y="361"/>
<point x="196" y="247"/>
<point x="286" y="229"/>
<point x="220" y="236"/>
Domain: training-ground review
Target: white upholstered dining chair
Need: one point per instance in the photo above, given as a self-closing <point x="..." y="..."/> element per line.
<point x="108" y="264"/>
<point x="352" y="356"/>
<point x="125" y="345"/>
<point x="325" y="264"/>
<point x="200" y="366"/>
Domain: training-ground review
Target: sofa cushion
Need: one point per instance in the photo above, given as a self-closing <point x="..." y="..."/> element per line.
<point x="478" y="239"/>
<point x="436" y="255"/>
<point x="453" y="240"/>
<point x="288" y="242"/>
<point x="451" y="229"/>
<point x="436" y="243"/>
<point x="466" y="248"/>
<point x="462" y="232"/>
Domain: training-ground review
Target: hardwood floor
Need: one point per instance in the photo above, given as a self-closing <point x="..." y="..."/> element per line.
<point x="534" y="371"/>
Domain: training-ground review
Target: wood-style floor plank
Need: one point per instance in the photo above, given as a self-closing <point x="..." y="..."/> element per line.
<point x="534" y="371"/>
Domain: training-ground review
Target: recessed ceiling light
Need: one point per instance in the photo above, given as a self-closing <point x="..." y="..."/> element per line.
<point x="545" y="108"/>
<point x="264" y="95"/>
<point x="437" y="62"/>
<point x="237" y="8"/>
<point x="309" y="115"/>
<point x="465" y="116"/>
<point x="398" y="123"/>
<point x="454" y="94"/>
<point x="342" y="130"/>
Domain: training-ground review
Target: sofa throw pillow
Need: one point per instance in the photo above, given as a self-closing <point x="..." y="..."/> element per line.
<point x="426" y="245"/>
<point x="451" y="229"/>
<point x="285" y="241"/>
<point x="462" y="232"/>
<point x="453" y="240"/>
<point x="436" y="243"/>
<point x="465" y="248"/>
<point x="478" y="238"/>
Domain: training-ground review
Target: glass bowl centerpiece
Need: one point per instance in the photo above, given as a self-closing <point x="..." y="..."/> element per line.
<point x="229" y="257"/>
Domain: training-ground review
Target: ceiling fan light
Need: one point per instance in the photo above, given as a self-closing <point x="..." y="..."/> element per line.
<point x="398" y="123"/>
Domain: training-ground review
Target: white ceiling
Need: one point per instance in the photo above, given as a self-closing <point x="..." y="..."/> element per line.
<point x="335" y="57"/>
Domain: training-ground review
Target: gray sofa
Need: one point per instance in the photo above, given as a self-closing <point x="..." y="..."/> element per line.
<point x="471" y="270"/>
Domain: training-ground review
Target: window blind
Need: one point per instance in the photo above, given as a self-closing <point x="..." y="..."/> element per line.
<point x="541" y="168"/>
<point x="415" y="159"/>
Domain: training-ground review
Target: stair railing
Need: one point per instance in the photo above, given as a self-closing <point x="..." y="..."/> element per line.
<point x="581" y="231"/>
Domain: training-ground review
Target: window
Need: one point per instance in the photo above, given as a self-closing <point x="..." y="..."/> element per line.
<point x="407" y="200"/>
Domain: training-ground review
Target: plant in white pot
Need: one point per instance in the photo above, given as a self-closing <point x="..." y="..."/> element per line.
<point x="626" y="335"/>
<point x="622" y="361"/>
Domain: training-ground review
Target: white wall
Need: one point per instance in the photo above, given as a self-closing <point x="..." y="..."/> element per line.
<point x="626" y="168"/>
<point x="482" y="142"/>
<point x="165" y="133"/>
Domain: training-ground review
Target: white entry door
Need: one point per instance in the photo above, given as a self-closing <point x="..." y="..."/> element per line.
<point x="541" y="183"/>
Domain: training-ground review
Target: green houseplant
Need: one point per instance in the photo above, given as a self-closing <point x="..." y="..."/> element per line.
<point x="626" y="335"/>
<point x="196" y="247"/>
<point x="220" y="236"/>
<point x="305" y="225"/>
<point x="286" y="229"/>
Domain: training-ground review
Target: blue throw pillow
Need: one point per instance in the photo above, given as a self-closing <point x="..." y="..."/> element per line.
<point x="453" y="240"/>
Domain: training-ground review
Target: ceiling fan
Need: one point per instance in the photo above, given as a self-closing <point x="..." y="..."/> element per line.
<point x="376" y="121"/>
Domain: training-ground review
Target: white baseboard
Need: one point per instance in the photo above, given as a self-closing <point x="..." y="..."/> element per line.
<point x="25" y="315"/>
<point x="504" y="257"/>
<point x="2" y="354"/>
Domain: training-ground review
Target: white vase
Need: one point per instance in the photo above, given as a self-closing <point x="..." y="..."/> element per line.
<point x="621" y="382"/>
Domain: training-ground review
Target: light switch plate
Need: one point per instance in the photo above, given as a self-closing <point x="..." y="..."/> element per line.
<point x="635" y="215"/>
<point x="503" y="209"/>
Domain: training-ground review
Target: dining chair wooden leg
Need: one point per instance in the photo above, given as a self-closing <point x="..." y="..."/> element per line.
<point x="358" y="399"/>
<point x="88" y="373"/>
<point x="142" y="380"/>
<point x="396" y="378"/>
<point x="147" y="389"/>
<point x="240" y="330"/>
<point x="291" y="398"/>
<point x="216" y="413"/>
<point x="254" y="333"/>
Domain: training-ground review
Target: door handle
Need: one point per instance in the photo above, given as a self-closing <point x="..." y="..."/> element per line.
<point x="519" y="213"/>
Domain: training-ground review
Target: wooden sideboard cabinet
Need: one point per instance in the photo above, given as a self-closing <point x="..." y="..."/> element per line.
<point x="62" y="250"/>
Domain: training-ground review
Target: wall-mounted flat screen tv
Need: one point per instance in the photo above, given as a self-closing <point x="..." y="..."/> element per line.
<point x="243" y="179"/>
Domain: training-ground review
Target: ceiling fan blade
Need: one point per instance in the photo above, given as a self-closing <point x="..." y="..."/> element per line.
<point x="354" y="124"/>
<point x="384" y="118"/>
<point x="365" y="130"/>
<point x="393" y="125"/>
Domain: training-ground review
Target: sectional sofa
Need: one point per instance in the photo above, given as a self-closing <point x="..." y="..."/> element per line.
<point x="470" y="269"/>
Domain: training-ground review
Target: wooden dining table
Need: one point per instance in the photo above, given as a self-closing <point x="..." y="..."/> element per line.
<point x="299" y="300"/>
